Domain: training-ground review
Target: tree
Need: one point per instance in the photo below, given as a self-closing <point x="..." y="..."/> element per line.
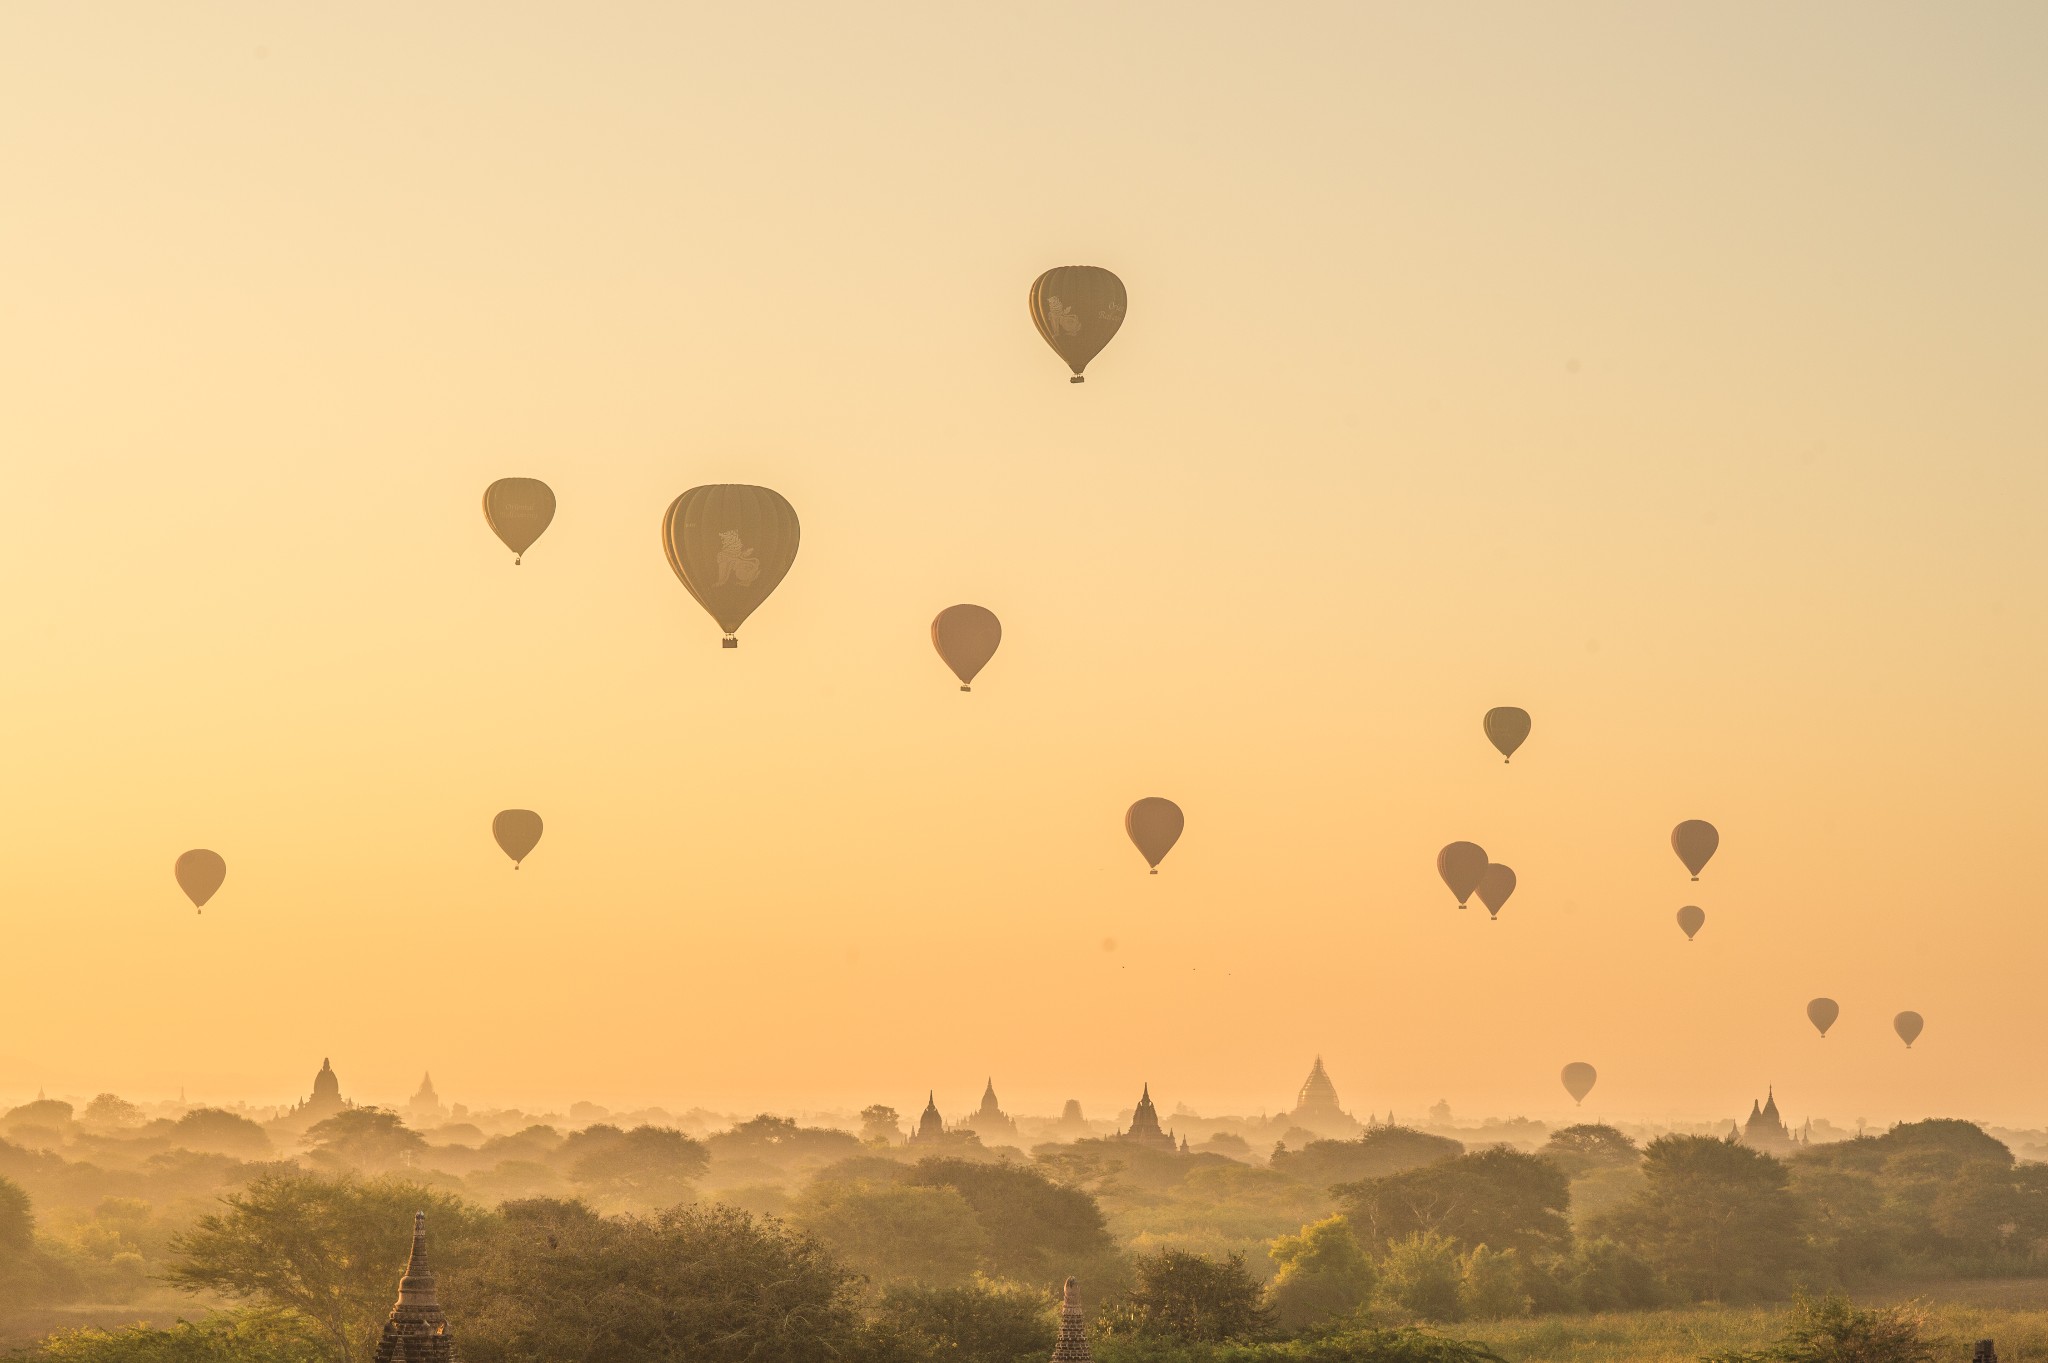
<point x="895" y="1234"/>
<point x="1381" y="1151"/>
<point x="331" y="1249"/>
<point x="880" y="1125"/>
<point x="1490" y="1285"/>
<point x="1324" y="1274"/>
<point x="1192" y="1299"/>
<point x="1036" y="1230"/>
<point x="647" y="1167"/>
<point x="980" y="1322"/>
<point x="212" y="1130"/>
<point x="710" y="1284"/>
<point x="110" y="1112"/>
<point x="1497" y="1197"/>
<point x="1578" y="1150"/>
<point x="1715" y="1219"/>
<point x="17" y="1219"/>
<point x="250" y="1336"/>
<point x="1422" y="1275"/>
<point x="1603" y="1276"/>
<point x="1833" y="1331"/>
<point x="367" y="1139"/>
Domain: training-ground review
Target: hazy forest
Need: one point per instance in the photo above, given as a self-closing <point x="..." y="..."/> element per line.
<point x="171" y="1233"/>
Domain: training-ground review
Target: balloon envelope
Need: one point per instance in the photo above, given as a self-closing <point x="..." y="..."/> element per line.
<point x="518" y="510"/>
<point x="517" y="831"/>
<point x="200" y="874"/>
<point x="1461" y="864"/>
<point x="1692" y="918"/>
<point x="1495" y="885"/>
<point x="1578" y="1080"/>
<point x="1908" y="1026"/>
<point x="1154" y="826"/>
<point x="1507" y="727"/>
<point x="730" y="544"/>
<point x="966" y="638"/>
<point x="1822" y="1014"/>
<point x="1695" y="841"/>
<point x="1077" y="308"/>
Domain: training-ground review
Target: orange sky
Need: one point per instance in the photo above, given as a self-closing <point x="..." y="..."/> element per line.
<point x="1672" y="373"/>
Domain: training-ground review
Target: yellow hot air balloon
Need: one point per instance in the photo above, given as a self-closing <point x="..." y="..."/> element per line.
<point x="1822" y="1014"/>
<point x="966" y="638"/>
<point x="517" y="832"/>
<point x="1462" y="864"/>
<point x="518" y="510"/>
<point x="1154" y="826"/>
<point x="1496" y="883"/>
<point x="1691" y="919"/>
<point x="1908" y="1025"/>
<point x="730" y="544"/>
<point x="1077" y="308"/>
<point x="1507" y="728"/>
<point x="1579" y="1078"/>
<point x="200" y="873"/>
<point x="1695" y="841"/>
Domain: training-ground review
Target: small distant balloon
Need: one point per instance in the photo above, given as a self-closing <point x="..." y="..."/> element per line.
<point x="518" y="510"/>
<point x="1462" y="864"/>
<point x="199" y="874"/>
<point x="1495" y="885"/>
<point x="1507" y="728"/>
<point x="1908" y="1026"/>
<point x="1154" y="826"/>
<point x="1695" y="841"/>
<point x="1822" y="1014"/>
<point x="966" y="638"/>
<point x="1077" y="309"/>
<point x="1579" y="1078"/>
<point x="1691" y="919"/>
<point x="517" y="832"/>
<point x="730" y="544"/>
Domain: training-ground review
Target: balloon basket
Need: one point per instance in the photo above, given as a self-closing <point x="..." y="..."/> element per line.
<point x="1077" y="379"/>
<point x="966" y="688"/>
<point x="1155" y="870"/>
<point x="730" y="642"/>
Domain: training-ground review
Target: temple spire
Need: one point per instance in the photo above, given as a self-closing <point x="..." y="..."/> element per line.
<point x="417" y="1329"/>
<point x="1073" y="1341"/>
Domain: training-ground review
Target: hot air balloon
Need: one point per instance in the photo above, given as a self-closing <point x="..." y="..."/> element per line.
<point x="200" y="873"/>
<point x="1461" y="864"/>
<point x="1154" y="826"/>
<point x="1495" y="885"/>
<point x="966" y="638"/>
<point x="1695" y="841"/>
<point x="730" y="544"/>
<point x="1822" y="1014"/>
<point x="1507" y="728"/>
<point x="1077" y="308"/>
<point x="1692" y="918"/>
<point x="518" y="510"/>
<point x="1579" y="1078"/>
<point x="1908" y="1026"/>
<point x="517" y="831"/>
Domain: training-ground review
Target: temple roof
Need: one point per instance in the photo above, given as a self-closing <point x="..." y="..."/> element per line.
<point x="1317" y="1092"/>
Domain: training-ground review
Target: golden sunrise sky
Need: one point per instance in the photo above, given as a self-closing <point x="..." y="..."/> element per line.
<point x="1673" y="371"/>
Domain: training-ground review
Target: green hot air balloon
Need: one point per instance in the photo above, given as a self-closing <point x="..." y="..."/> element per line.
<point x="517" y="832"/>
<point x="730" y="544"/>
<point x="966" y="638"/>
<point x="1496" y="883"/>
<point x="1462" y="864"/>
<point x="1695" y="841"/>
<point x="1822" y="1014"/>
<point x="1908" y="1025"/>
<point x="1579" y="1078"/>
<point x="1691" y="919"/>
<point x="518" y="510"/>
<point x="199" y="874"/>
<point x="1077" y="309"/>
<point x="1507" y="728"/>
<point x="1154" y="826"/>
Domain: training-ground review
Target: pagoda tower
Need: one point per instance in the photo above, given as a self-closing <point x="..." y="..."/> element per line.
<point x="1145" y="1129"/>
<point x="416" y="1331"/>
<point x="1316" y="1107"/>
<point x="931" y="1127"/>
<point x="1073" y="1344"/>
<point x="990" y="1121"/>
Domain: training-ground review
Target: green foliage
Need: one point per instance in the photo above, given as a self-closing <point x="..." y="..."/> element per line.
<point x="1405" y="1345"/>
<point x="1192" y="1300"/>
<point x="980" y="1322"/>
<point x="645" y="1168"/>
<point x="1498" y="1197"/>
<point x="110" y="1112"/>
<point x="1324" y="1274"/>
<point x="17" y="1219"/>
<point x="1036" y="1230"/>
<point x="1832" y="1330"/>
<point x="1604" y="1276"/>
<point x="1490" y="1285"/>
<point x="210" y="1130"/>
<point x="1715" y="1219"/>
<point x="365" y="1139"/>
<point x="1381" y="1151"/>
<point x="1423" y="1276"/>
<point x="880" y="1125"/>
<point x="1579" y="1150"/>
<point x="895" y="1234"/>
<point x="250" y="1336"/>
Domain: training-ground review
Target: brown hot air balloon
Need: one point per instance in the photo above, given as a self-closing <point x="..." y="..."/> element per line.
<point x="199" y="874"/>
<point x="1691" y="919"/>
<point x="1461" y="864"/>
<point x="1695" y="841"/>
<point x="1507" y="728"/>
<point x="1579" y="1078"/>
<point x="1154" y="826"/>
<point x="1822" y="1014"/>
<point x="1908" y="1025"/>
<point x="730" y="544"/>
<point x="966" y="638"/>
<point x="1077" y="308"/>
<point x="1495" y="885"/>
<point x="518" y="510"/>
<point x="517" y="832"/>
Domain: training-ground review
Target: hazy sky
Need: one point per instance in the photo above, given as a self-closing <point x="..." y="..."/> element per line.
<point x="1672" y="371"/>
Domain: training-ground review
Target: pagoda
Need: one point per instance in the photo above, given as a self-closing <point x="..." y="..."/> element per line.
<point x="325" y="1102"/>
<point x="1765" y="1130"/>
<point x="990" y="1122"/>
<point x="416" y="1331"/>
<point x="1316" y="1108"/>
<point x="931" y="1127"/>
<point x="1145" y="1128"/>
<point x="1073" y="1342"/>
<point x="425" y="1108"/>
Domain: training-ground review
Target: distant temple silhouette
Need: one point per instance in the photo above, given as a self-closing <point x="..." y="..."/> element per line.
<point x="990" y="1122"/>
<point x="326" y="1099"/>
<point x="931" y="1127"/>
<point x="1316" y="1107"/>
<point x="1145" y="1129"/>
<point x="416" y="1331"/>
<point x="1766" y="1130"/>
<point x="425" y="1108"/>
